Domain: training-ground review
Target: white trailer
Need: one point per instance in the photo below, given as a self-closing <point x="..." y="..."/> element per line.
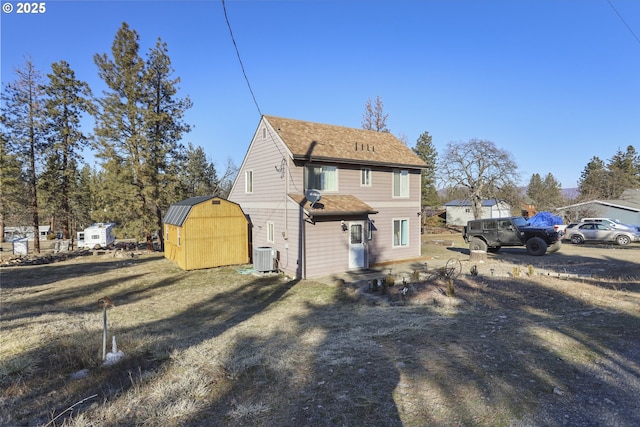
<point x="97" y="236"/>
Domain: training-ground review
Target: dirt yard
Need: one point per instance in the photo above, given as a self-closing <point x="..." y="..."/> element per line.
<point x="521" y="341"/>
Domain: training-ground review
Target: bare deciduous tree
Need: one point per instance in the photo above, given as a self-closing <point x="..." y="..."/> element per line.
<point x="374" y="117"/>
<point x="479" y="167"/>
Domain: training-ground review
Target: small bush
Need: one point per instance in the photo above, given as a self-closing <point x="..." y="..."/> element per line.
<point x="451" y="291"/>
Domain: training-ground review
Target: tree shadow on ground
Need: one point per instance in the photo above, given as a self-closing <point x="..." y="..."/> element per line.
<point x="271" y="352"/>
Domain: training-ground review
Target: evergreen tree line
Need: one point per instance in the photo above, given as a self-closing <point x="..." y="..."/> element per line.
<point x="139" y="125"/>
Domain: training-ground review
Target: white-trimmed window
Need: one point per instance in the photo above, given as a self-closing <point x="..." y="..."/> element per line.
<point x="270" y="232"/>
<point x="323" y="178"/>
<point x="248" y="181"/>
<point x="400" y="232"/>
<point x="400" y="183"/>
<point x="178" y="237"/>
<point x="365" y="177"/>
<point x="166" y="232"/>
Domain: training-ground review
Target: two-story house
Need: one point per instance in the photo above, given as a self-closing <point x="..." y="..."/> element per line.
<point x="365" y="208"/>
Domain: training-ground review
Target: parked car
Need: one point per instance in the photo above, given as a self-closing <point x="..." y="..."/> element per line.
<point x="599" y="232"/>
<point x="567" y="228"/>
<point x="613" y="223"/>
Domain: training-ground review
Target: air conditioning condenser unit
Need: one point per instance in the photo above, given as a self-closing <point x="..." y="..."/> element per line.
<point x="264" y="259"/>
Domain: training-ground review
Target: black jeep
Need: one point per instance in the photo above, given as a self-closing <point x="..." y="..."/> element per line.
<point x="490" y="234"/>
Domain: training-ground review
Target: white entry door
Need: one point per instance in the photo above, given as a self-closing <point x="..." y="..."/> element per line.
<point x="356" y="245"/>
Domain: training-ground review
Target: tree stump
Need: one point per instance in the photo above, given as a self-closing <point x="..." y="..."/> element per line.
<point x="478" y="256"/>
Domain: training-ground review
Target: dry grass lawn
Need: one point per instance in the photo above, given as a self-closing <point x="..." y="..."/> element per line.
<point x="217" y="347"/>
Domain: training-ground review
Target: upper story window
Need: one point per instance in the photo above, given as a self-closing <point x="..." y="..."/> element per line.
<point x="400" y="183"/>
<point x="324" y="178"/>
<point x="365" y="177"/>
<point x="248" y="181"/>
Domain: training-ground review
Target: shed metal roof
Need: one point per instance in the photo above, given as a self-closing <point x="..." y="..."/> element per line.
<point x="178" y="212"/>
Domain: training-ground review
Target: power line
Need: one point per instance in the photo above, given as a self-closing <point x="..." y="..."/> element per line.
<point x="255" y="101"/>
<point x="623" y="21"/>
<point x="224" y="8"/>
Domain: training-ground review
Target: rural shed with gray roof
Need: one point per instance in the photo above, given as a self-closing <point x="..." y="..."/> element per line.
<point x="206" y="232"/>
<point x="626" y="209"/>
<point x="461" y="211"/>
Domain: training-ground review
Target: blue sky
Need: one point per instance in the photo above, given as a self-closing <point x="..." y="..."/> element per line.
<point x="555" y="82"/>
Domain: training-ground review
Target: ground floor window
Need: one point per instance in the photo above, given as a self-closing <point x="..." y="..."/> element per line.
<point x="400" y="232"/>
<point x="270" y="232"/>
<point x="356" y="234"/>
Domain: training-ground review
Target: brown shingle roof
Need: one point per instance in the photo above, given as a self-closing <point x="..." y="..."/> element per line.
<point x="307" y="141"/>
<point x="334" y="205"/>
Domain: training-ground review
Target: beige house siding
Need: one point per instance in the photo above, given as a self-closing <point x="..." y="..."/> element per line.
<point x="309" y="245"/>
<point x="264" y="155"/>
<point x="381" y="248"/>
<point x="268" y="203"/>
<point x="390" y="208"/>
<point x="287" y="245"/>
<point x="329" y="248"/>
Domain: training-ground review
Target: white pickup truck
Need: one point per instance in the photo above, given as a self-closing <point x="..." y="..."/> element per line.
<point x="560" y="228"/>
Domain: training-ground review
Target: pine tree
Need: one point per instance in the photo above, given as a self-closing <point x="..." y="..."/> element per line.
<point x="82" y="197"/>
<point x="23" y="118"/>
<point x="121" y="133"/>
<point x="426" y="151"/>
<point x="165" y="128"/>
<point x="139" y="126"/>
<point x="535" y="187"/>
<point x="12" y="186"/>
<point x="593" y="180"/>
<point x="546" y="194"/>
<point x="198" y="176"/>
<point x="67" y="100"/>
<point x="623" y="172"/>
<point x="553" y="192"/>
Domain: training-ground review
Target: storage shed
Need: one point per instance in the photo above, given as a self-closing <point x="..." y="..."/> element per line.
<point x="461" y="211"/>
<point x="205" y="232"/>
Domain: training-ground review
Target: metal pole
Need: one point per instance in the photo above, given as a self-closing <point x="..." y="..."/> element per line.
<point x="104" y="333"/>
